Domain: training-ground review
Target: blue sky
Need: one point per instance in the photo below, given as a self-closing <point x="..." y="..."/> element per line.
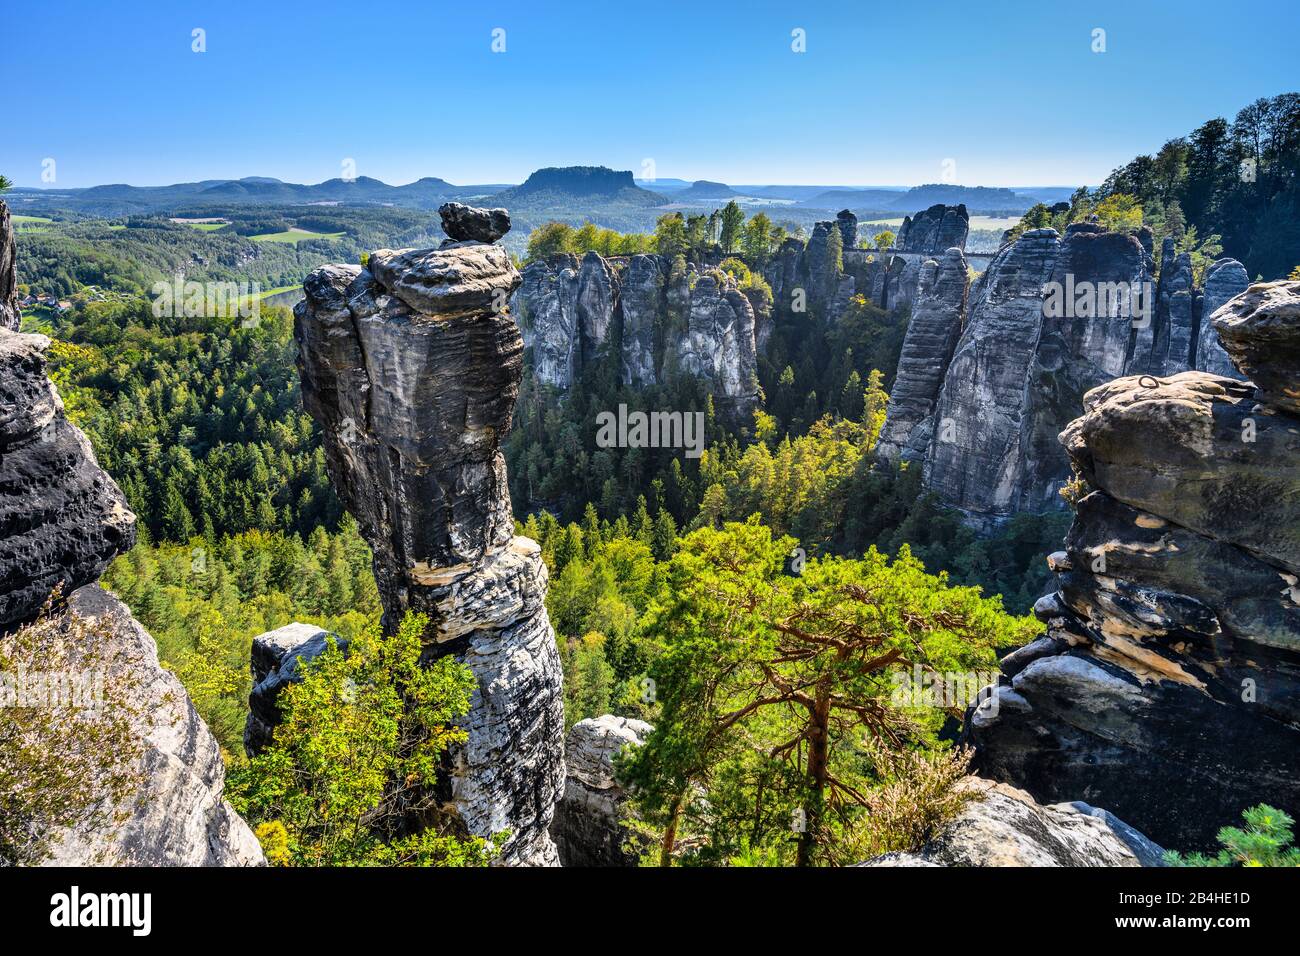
<point x="884" y="94"/>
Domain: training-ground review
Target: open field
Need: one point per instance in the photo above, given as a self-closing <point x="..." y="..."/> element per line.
<point x="295" y="235"/>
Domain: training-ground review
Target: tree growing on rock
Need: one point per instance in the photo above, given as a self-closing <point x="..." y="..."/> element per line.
<point x="776" y="680"/>
<point x="350" y="778"/>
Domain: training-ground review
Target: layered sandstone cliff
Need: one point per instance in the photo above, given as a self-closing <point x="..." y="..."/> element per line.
<point x="1167" y="687"/>
<point x="575" y="310"/>
<point x="412" y="368"/>
<point x="1051" y="317"/>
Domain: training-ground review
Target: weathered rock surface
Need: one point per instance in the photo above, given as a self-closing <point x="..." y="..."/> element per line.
<point x="1049" y="319"/>
<point x="412" y="368"/>
<point x="1224" y="280"/>
<point x="275" y="661"/>
<point x="976" y="460"/>
<point x="573" y="311"/>
<point x="848" y="224"/>
<point x="1003" y="826"/>
<point x="62" y="519"/>
<point x="176" y="815"/>
<point x="9" y="314"/>
<point x="719" y="344"/>
<point x="1260" y="330"/>
<point x="934" y="230"/>
<point x="1167" y="687"/>
<point x="464" y="223"/>
<point x="928" y="345"/>
<point x="586" y="828"/>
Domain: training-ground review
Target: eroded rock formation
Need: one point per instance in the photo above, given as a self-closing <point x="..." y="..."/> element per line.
<point x="934" y="230"/>
<point x="274" y="661"/>
<point x="175" y="814"/>
<point x="1003" y="826"/>
<point x="62" y="519"/>
<point x="1225" y="279"/>
<point x="1049" y="319"/>
<point x="575" y="311"/>
<point x="1167" y="687"/>
<point x="412" y="368"/>
<point x="587" y="827"/>
<point x="9" y="315"/>
<point x="937" y="318"/>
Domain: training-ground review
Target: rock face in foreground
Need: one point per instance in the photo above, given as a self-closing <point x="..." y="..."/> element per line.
<point x="412" y="368"/>
<point x="586" y="829"/>
<point x="62" y="519"/>
<point x="1167" y="687"/>
<point x="9" y="315"/>
<point x="177" y="816"/>
<point x="1003" y="826"/>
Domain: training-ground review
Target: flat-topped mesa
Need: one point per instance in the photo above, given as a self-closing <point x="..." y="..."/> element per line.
<point x="412" y="366"/>
<point x="1166" y="688"/>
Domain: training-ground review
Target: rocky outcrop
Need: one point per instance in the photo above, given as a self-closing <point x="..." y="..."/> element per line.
<point x="718" y="346"/>
<point x="412" y="368"/>
<point x="1225" y="279"/>
<point x="641" y="295"/>
<point x="1003" y="826"/>
<point x="174" y="814"/>
<point x="62" y="519"/>
<point x="1166" y="687"/>
<point x="1049" y="319"/>
<point x="934" y="230"/>
<point x="275" y="661"/>
<point x="823" y="265"/>
<point x="587" y="828"/>
<point x="464" y="223"/>
<point x="932" y="334"/>
<point x="1260" y="331"/>
<point x="976" y="458"/>
<point x="9" y="314"/>
<point x="848" y="225"/>
<point x="573" y="312"/>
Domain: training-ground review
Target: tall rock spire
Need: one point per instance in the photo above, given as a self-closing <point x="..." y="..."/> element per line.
<point x="412" y="368"/>
<point x="9" y="317"/>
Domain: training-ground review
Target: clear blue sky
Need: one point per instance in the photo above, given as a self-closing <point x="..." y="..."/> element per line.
<point x="884" y="94"/>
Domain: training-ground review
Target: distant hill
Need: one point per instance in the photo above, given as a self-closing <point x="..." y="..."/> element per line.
<point x="560" y="186"/>
<point x="665" y="184"/>
<point x="978" y="199"/>
<point x="703" y="189"/>
<point x="120" y="199"/>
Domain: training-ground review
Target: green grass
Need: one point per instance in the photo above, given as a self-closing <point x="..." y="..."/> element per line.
<point x="30" y="222"/>
<point x="295" y="235"/>
<point x="892" y="223"/>
<point x="207" y="226"/>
